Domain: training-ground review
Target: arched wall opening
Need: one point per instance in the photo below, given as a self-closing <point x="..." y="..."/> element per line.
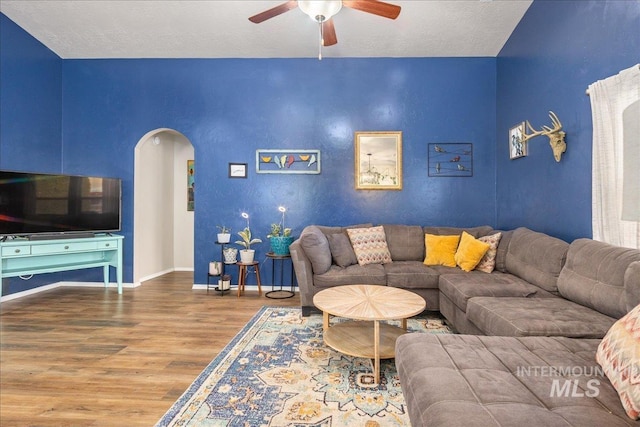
<point x="163" y="227"/>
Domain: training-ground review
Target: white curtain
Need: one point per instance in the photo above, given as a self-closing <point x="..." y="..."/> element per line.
<point x="616" y="158"/>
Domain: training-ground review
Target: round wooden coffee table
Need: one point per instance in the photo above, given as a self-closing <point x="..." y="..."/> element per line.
<point x="366" y="305"/>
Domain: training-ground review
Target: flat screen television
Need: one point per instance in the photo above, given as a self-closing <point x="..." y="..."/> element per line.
<point x="49" y="204"/>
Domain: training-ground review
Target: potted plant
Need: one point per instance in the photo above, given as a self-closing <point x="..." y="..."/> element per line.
<point x="280" y="237"/>
<point x="224" y="234"/>
<point x="247" y="254"/>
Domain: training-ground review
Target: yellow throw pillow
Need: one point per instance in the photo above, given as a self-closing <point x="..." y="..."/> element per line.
<point x="470" y="252"/>
<point x="441" y="249"/>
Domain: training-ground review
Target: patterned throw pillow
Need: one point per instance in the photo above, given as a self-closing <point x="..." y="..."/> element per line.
<point x="618" y="355"/>
<point x="370" y="245"/>
<point x="488" y="261"/>
<point x="441" y="250"/>
<point x="470" y="252"/>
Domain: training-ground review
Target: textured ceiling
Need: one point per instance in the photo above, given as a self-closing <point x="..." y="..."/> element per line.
<point x="220" y="29"/>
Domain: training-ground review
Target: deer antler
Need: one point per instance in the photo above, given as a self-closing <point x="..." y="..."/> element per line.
<point x="555" y="134"/>
<point x="557" y="126"/>
<point x="546" y="130"/>
<point x="534" y="133"/>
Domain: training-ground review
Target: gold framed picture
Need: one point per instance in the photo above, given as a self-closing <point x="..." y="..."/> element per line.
<point x="378" y="160"/>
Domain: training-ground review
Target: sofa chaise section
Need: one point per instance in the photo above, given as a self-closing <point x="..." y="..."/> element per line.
<point x="466" y="380"/>
<point x="595" y="287"/>
<point x="528" y="265"/>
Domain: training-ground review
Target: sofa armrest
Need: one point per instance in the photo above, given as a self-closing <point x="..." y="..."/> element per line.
<point x="304" y="273"/>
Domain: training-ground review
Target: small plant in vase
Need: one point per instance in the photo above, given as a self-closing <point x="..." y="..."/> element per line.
<point x="224" y="234"/>
<point x="247" y="254"/>
<point x="280" y="237"/>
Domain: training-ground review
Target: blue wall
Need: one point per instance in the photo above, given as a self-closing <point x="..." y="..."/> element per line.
<point x="30" y="113"/>
<point x="229" y="108"/>
<point x="558" y="49"/>
<point x="30" y="101"/>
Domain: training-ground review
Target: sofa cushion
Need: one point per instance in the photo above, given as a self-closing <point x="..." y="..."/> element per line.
<point x="470" y="251"/>
<point x="618" y="354"/>
<point x="632" y="285"/>
<point x="459" y="287"/>
<point x="503" y="248"/>
<point x="441" y="250"/>
<point x="536" y="258"/>
<point x="488" y="262"/>
<point x="341" y="250"/>
<point x="594" y="275"/>
<point x="316" y="247"/>
<point x="479" y="231"/>
<point x="406" y="242"/>
<point x="372" y="274"/>
<point x="411" y="275"/>
<point x="327" y="229"/>
<point x="465" y="380"/>
<point x="370" y="245"/>
<point x="536" y="317"/>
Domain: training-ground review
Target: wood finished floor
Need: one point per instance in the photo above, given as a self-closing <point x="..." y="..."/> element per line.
<point x="91" y="357"/>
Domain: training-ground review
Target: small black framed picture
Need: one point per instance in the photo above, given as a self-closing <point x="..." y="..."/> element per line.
<point x="237" y="170"/>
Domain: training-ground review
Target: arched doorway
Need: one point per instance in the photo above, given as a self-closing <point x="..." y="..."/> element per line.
<point x="163" y="228"/>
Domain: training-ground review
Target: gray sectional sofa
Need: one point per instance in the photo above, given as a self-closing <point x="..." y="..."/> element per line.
<point x="527" y="325"/>
<point x="322" y="258"/>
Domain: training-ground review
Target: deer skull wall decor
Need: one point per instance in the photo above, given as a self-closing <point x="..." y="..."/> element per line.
<point x="555" y="134"/>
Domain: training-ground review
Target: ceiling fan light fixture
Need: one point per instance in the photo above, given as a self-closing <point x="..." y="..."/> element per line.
<point x="320" y="10"/>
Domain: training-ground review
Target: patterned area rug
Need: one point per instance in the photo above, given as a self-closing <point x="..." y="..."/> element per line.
<point x="278" y="372"/>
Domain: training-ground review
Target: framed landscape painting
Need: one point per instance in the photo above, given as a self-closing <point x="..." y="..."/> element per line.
<point x="378" y="160"/>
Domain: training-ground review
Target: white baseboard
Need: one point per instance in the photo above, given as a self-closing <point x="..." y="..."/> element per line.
<point x="50" y="286"/>
<point x="197" y="286"/>
<point x="154" y="275"/>
<point x="163" y="272"/>
<point x="43" y="288"/>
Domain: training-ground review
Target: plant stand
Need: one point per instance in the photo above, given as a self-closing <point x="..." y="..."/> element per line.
<point x="243" y="270"/>
<point x="280" y="293"/>
<point x="221" y="274"/>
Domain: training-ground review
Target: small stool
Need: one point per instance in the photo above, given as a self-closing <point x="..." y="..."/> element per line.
<point x="242" y="275"/>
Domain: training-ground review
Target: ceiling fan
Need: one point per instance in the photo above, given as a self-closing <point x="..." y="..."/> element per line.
<point x="322" y="12"/>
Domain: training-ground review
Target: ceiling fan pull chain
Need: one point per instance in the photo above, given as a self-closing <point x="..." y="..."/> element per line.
<point x="321" y="41"/>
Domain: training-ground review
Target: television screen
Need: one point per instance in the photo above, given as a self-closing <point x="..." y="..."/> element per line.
<point x="35" y="203"/>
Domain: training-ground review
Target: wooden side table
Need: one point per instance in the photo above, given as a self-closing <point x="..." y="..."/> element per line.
<point x="243" y="270"/>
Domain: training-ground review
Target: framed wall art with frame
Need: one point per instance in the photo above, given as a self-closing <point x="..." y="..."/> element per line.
<point x="191" y="172"/>
<point x="517" y="147"/>
<point x="237" y="170"/>
<point x="288" y="161"/>
<point x="378" y="160"/>
<point x="451" y="159"/>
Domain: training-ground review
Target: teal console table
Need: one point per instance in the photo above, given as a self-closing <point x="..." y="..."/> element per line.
<point x="22" y="257"/>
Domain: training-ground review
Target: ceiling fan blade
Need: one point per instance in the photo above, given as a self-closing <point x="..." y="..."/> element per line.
<point x="329" y="37"/>
<point x="278" y="10"/>
<point x="386" y="10"/>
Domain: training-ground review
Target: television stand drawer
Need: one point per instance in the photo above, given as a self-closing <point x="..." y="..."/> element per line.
<point x="56" y="248"/>
<point x="21" y="250"/>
